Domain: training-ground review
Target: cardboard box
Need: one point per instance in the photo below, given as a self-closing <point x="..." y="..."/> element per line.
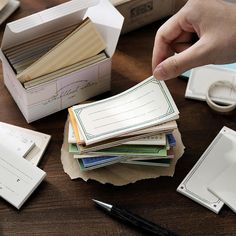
<point x="138" y="13"/>
<point x="65" y="91"/>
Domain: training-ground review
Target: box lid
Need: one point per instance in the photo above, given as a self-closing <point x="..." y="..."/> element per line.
<point x="63" y="15"/>
<point x="108" y="22"/>
<point x="43" y="22"/>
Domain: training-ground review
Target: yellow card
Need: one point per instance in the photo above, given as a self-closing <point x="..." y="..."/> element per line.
<point x="75" y="127"/>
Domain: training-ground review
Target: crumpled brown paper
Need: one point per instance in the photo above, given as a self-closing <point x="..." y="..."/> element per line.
<point x="118" y="174"/>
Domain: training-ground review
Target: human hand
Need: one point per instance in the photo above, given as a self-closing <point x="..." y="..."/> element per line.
<point x="213" y="21"/>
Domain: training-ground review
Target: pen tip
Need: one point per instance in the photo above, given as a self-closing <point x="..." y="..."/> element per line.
<point x="94" y="200"/>
<point x="97" y="202"/>
<point x="103" y="204"/>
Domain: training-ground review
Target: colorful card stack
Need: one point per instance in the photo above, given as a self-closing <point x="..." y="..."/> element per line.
<point x="134" y="127"/>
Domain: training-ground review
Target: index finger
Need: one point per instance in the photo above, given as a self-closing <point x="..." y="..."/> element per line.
<point x="166" y="34"/>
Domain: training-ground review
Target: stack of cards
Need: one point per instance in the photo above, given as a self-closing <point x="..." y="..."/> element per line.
<point x="20" y="152"/>
<point x="134" y="127"/>
<point x="56" y="54"/>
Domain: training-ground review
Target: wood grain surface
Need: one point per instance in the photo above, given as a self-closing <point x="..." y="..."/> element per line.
<point x="64" y="207"/>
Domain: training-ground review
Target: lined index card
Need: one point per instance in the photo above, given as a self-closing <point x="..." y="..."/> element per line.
<point x="18" y="179"/>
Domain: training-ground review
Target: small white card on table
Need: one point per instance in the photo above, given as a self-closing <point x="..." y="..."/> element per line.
<point x="218" y="156"/>
<point x="26" y="136"/>
<point x="18" y="178"/>
<point x="13" y="142"/>
<point x="201" y="79"/>
<point x="224" y="186"/>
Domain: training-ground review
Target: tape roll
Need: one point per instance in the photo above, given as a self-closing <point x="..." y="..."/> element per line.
<point x="217" y="107"/>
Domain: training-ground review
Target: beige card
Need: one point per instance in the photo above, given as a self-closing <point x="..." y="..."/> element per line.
<point x="3" y="3"/>
<point x="82" y="43"/>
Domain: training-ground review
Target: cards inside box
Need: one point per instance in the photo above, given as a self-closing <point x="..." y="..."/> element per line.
<point x="56" y="54"/>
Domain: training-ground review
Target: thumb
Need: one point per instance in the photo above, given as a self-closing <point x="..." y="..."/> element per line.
<point x="173" y="66"/>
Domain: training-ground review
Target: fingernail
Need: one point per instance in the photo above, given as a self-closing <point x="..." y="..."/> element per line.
<point x="160" y="73"/>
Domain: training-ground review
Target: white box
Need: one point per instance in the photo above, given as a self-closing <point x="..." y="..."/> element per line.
<point x="65" y="91"/>
<point x="138" y="13"/>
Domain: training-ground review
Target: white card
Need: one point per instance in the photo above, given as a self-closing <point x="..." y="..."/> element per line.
<point x="224" y="186"/>
<point x="41" y="141"/>
<point x="71" y="134"/>
<point x="18" y="179"/>
<point x="13" y="142"/>
<point x="219" y="155"/>
<point x="159" y="139"/>
<point x="202" y="77"/>
<point x="147" y="104"/>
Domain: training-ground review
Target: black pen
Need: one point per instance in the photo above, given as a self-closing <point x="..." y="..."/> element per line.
<point x="135" y="220"/>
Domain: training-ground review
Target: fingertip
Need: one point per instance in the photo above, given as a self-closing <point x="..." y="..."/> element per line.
<point x="160" y="73"/>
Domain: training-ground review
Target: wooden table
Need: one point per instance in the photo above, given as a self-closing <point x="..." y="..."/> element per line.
<point x="64" y="207"/>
